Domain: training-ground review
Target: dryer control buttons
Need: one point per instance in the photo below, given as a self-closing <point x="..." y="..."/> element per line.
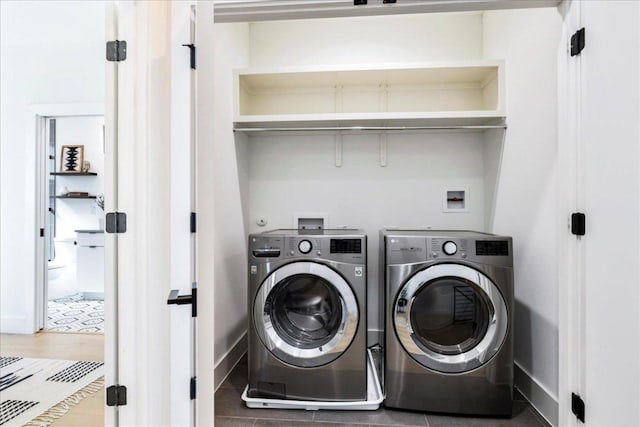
<point x="304" y="246"/>
<point x="449" y="248"/>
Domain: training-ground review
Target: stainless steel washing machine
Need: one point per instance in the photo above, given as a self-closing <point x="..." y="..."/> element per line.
<point x="449" y="316"/>
<point x="307" y="315"/>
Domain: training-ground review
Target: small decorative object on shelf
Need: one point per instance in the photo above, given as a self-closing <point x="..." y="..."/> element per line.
<point x="72" y="158"/>
<point x="64" y="191"/>
<point x="86" y="165"/>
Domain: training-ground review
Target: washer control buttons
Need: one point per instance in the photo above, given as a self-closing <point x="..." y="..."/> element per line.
<point x="304" y="246"/>
<point x="463" y="254"/>
<point x="434" y="254"/>
<point x="449" y="248"/>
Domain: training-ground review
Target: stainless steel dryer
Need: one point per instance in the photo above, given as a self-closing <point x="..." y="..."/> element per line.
<point x="307" y="315"/>
<point x="449" y="317"/>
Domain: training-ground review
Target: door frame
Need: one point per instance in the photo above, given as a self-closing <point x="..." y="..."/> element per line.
<point x="38" y="116"/>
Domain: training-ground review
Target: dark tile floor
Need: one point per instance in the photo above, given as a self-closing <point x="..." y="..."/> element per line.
<point x="232" y="412"/>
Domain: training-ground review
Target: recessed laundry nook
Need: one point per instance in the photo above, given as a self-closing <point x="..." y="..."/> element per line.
<point x="425" y="122"/>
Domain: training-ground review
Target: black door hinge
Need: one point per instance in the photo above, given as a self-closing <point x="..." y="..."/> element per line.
<point x="359" y="2"/>
<point x="193" y="222"/>
<point x="192" y="54"/>
<point x="577" y="42"/>
<point x="578" y="223"/>
<point x="577" y="406"/>
<point x="116" y="50"/>
<point x="192" y="388"/>
<point x="116" y="395"/>
<point x="192" y="299"/>
<point x="42" y="232"/>
<point x="116" y="222"/>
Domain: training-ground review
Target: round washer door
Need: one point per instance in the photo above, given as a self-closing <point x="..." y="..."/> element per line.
<point x="306" y="314"/>
<point x="450" y="318"/>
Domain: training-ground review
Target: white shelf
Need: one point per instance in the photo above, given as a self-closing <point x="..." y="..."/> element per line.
<point x="437" y="94"/>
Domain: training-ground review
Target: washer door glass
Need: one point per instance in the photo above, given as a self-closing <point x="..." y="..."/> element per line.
<point x="450" y="318"/>
<point x="305" y="310"/>
<point x="306" y="314"/>
<point x="450" y="315"/>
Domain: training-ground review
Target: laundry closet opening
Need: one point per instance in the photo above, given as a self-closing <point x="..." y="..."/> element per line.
<point x="423" y="121"/>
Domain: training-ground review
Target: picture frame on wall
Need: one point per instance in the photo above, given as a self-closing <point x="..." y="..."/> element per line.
<point x="71" y="158"/>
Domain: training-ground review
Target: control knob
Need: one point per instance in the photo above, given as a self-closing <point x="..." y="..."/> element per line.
<point x="304" y="246"/>
<point x="449" y="248"/>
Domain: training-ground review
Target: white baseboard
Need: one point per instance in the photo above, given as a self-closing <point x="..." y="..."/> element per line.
<point x="538" y="395"/>
<point x="14" y="325"/>
<point x="229" y="361"/>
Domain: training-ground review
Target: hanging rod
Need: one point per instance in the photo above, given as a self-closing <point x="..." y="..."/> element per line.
<point x="369" y="128"/>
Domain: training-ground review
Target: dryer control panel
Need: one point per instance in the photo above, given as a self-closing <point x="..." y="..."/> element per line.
<point x="459" y="246"/>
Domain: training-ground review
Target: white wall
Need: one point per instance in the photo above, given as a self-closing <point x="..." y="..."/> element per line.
<point x="66" y="66"/>
<point x="230" y="250"/>
<point x="380" y="39"/>
<point x="74" y="215"/>
<point x="249" y="183"/>
<point x="526" y="200"/>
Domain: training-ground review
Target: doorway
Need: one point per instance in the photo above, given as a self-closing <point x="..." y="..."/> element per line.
<point x="73" y="182"/>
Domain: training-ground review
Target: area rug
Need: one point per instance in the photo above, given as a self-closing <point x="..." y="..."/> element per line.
<point x="74" y="314"/>
<point x="42" y="390"/>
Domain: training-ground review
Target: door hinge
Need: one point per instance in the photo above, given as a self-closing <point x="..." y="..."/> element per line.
<point x="192" y="54"/>
<point x="116" y="50"/>
<point x="42" y="232"/>
<point x="578" y="223"/>
<point x="577" y="406"/>
<point x="192" y="299"/>
<point x="577" y="42"/>
<point x="116" y="395"/>
<point x="193" y="222"/>
<point x="192" y="388"/>
<point x="116" y="222"/>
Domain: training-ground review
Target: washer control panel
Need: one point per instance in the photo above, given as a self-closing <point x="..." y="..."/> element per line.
<point x="305" y="246"/>
<point x="445" y="248"/>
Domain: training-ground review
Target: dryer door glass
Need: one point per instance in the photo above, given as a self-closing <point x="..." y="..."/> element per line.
<point x="306" y="314"/>
<point x="305" y="310"/>
<point x="450" y="318"/>
<point x="449" y="315"/>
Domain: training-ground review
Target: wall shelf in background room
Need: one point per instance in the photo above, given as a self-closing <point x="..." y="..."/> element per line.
<point x="75" y="197"/>
<point x="74" y="173"/>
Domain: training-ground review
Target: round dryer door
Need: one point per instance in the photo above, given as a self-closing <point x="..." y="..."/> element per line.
<point x="306" y="314"/>
<point x="450" y="318"/>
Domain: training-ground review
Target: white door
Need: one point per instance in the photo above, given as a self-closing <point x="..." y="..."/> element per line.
<point x="604" y="296"/>
<point x="150" y="344"/>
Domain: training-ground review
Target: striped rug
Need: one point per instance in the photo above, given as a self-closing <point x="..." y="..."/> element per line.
<point x="36" y="392"/>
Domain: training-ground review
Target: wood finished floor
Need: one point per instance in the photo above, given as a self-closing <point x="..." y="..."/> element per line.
<point x="232" y="412"/>
<point x="66" y="346"/>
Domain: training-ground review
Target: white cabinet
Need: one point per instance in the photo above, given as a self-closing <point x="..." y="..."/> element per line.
<point x="467" y="93"/>
<point x="90" y="263"/>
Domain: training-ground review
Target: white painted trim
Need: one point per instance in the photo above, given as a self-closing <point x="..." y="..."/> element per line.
<point x="261" y="10"/>
<point x="205" y="199"/>
<point x="229" y="360"/>
<point x="68" y="110"/>
<point x="541" y="398"/>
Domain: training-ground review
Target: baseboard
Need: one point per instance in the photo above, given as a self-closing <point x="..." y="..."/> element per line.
<point x="14" y="325"/>
<point x="229" y="360"/>
<point x="540" y="398"/>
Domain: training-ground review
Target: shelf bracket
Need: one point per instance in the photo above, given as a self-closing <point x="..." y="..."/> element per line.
<point x="384" y="139"/>
<point x="338" y="138"/>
